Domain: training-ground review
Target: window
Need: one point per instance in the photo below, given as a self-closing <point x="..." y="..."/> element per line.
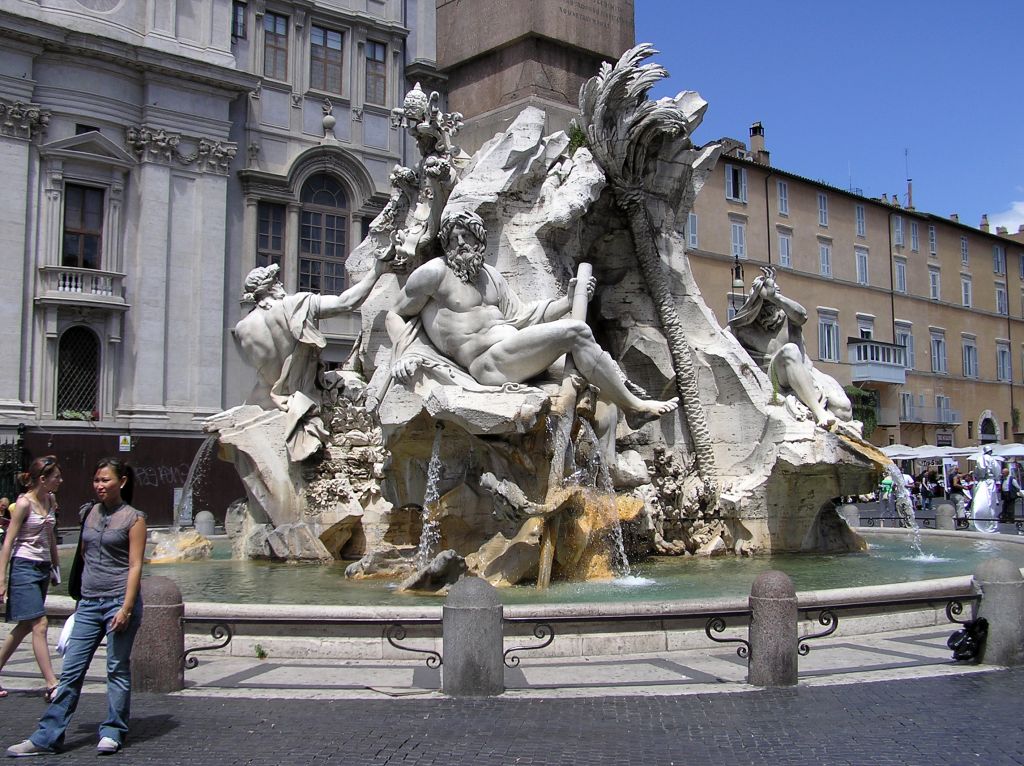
<point x="785" y="249"/>
<point x="1002" y="304"/>
<point x="862" y="228"/>
<point x="905" y="338"/>
<point x="269" y="234"/>
<point x="825" y="259"/>
<point x="998" y="259"/>
<point x="966" y="295"/>
<point x="83" y="226"/>
<point x="1020" y="263"/>
<point x="964" y="259"/>
<point x="325" y="59"/>
<point x="934" y="283"/>
<point x="861" y="256"/>
<point x="735" y="183"/>
<point x="970" y="356"/>
<point x="900" y="267"/>
<point x="78" y="374"/>
<point x="906" y="405"/>
<point x="323" y="236"/>
<point x="897" y="230"/>
<point x="943" y="408"/>
<point x="691" y="231"/>
<point x="238" y="9"/>
<point x="828" y="337"/>
<point x="739" y="239"/>
<point x="275" y="46"/>
<point x="915" y="237"/>
<point x="933" y="247"/>
<point x="822" y="209"/>
<point x="865" y="328"/>
<point x="938" y="343"/>
<point x="376" y="73"/>
<point x="783" y="198"/>
<point x="1003" y="371"/>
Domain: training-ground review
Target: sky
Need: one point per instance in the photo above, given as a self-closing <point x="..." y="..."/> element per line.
<point x="859" y="94"/>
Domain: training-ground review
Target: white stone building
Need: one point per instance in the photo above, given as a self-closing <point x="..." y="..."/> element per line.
<point x="153" y="152"/>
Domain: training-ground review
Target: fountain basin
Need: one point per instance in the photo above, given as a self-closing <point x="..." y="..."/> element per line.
<point x="945" y="572"/>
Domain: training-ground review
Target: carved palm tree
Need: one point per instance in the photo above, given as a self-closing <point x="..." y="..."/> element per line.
<point x="624" y="132"/>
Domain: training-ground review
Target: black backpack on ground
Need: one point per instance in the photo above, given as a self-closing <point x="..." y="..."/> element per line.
<point x="968" y="642"/>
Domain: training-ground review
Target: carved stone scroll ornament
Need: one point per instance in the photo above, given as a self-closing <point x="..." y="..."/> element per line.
<point x="159" y="145"/>
<point x="22" y="120"/>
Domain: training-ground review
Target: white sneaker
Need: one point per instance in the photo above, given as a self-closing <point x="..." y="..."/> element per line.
<point x="107" y="745"/>
<point x="28" y="747"/>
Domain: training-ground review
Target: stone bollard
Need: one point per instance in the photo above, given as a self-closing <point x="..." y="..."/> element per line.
<point x="773" y="631"/>
<point x="945" y="516"/>
<point x="1002" y="604"/>
<point x="851" y="514"/>
<point x="472" y="640"/>
<point x="157" y="664"/>
<point x="204" y="523"/>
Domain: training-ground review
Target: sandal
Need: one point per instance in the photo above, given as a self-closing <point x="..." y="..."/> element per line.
<point x="3" y="692"/>
<point x="50" y="693"/>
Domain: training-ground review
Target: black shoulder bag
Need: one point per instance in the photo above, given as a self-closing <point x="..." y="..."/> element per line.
<point x="75" y="577"/>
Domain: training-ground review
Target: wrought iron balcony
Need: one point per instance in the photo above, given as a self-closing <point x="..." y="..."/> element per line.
<point x="69" y="286"/>
<point x="877" y="362"/>
<point x="930" y="415"/>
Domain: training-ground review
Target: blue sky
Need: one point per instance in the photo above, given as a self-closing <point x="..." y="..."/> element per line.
<point x="846" y="89"/>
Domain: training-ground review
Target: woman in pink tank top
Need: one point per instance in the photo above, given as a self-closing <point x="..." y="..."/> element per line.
<point x="28" y="562"/>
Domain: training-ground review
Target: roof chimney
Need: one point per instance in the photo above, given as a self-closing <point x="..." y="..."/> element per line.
<point x="954" y="217"/>
<point x="885" y="199"/>
<point x="895" y="200"/>
<point x="910" y="194"/>
<point x="984" y="222"/>
<point x="757" y="148"/>
<point x="1001" y="230"/>
<point x="1020" y="229"/>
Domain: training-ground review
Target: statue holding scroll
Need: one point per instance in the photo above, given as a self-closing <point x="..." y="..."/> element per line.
<point x="471" y="316"/>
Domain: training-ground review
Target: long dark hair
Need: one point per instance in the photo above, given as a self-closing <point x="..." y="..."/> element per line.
<point x="121" y="470"/>
<point x="38" y="470"/>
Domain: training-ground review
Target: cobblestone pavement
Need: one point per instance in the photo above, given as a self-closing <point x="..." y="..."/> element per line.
<point x="962" y="719"/>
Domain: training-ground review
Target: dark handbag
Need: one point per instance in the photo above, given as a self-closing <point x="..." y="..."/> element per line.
<point x="968" y="642"/>
<point x="75" y="576"/>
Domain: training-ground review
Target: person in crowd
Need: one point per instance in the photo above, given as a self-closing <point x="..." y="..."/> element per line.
<point x="958" y="494"/>
<point x="108" y="590"/>
<point x="885" y="495"/>
<point x="930" y="488"/>
<point x="28" y="563"/>
<point x="1009" y="491"/>
<point x="5" y="516"/>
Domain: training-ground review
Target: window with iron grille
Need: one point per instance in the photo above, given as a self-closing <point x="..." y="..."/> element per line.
<point x="83" y="226"/>
<point x="325" y="59"/>
<point x="323" y="235"/>
<point x="238" y="17"/>
<point x="270" y="234"/>
<point x="376" y="73"/>
<point x="78" y="374"/>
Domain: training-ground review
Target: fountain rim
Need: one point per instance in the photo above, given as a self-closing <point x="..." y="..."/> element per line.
<point x="938" y="588"/>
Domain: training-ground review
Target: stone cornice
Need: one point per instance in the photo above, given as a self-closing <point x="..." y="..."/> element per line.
<point x="54" y="38"/>
<point x="205" y="155"/>
<point x="21" y="120"/>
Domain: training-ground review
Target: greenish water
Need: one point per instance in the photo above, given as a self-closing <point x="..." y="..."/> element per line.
<point x="658" y="579"/>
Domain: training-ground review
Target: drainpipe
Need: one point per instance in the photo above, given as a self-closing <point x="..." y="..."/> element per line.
<point x="767" y="214"/>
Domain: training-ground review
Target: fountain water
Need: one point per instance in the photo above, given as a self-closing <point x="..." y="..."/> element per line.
<point x="430" y="536"/>
<point x="179" y="544"/>
<point x="905" y="507"/>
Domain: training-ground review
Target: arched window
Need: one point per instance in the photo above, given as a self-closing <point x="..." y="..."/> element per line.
<point x="987" y="430"/>
<point x="78" y="374"/>
<point x="323" y="239"/>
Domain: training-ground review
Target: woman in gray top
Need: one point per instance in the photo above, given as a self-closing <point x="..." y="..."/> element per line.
<point x="111" y="552"/>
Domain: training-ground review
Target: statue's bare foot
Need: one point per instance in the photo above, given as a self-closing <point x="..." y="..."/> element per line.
<point x="650" y="409"/>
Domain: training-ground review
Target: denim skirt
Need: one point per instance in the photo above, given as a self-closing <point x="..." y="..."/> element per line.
<point x="26" y="589"/>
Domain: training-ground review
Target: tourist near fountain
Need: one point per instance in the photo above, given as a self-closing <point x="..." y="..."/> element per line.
<point x="527" y="312"/>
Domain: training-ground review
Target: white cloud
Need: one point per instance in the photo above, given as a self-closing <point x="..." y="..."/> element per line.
<point x="1011" y="219"/>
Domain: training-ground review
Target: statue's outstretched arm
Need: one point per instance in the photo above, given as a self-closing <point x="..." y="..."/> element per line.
<point x="422" y="284"/>
<point x="353" y="297"/>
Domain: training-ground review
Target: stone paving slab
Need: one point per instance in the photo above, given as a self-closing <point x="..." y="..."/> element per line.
<point x="959" y="719"/>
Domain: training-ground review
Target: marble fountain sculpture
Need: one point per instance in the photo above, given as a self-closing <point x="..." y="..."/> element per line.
<point x="538" y="372"/>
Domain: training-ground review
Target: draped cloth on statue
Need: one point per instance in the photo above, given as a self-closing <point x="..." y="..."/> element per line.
<point x="296" y="391"/>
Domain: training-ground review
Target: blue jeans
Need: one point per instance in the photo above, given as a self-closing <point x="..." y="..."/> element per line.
<point x="91" y="620"/>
